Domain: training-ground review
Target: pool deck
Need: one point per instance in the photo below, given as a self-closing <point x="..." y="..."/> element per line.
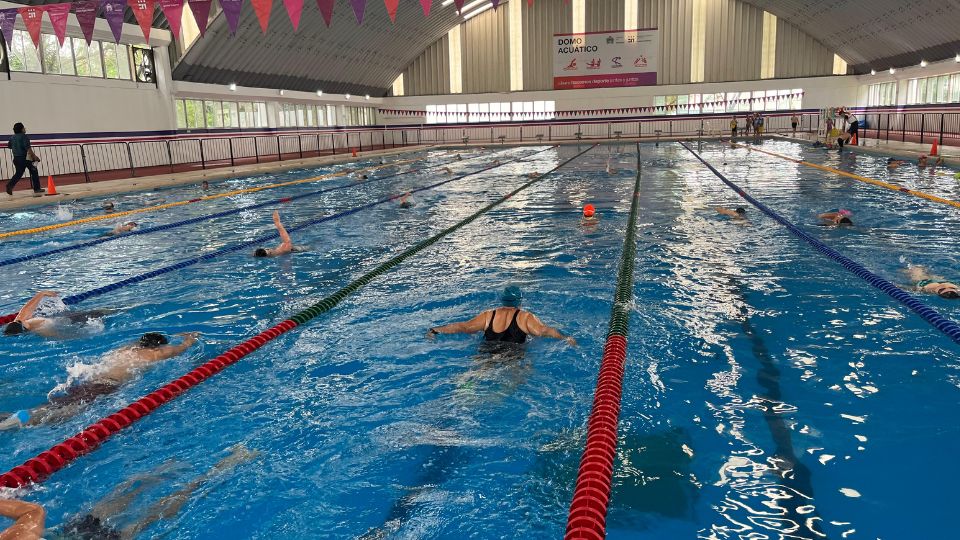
<point x="905" y="150"/>
<point x="74" y="192"/>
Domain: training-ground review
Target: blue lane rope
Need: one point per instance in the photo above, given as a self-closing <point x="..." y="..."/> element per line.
<point x="148" y="230"/>
<point x="77" y="298"/>
<point x="938" y="321"/>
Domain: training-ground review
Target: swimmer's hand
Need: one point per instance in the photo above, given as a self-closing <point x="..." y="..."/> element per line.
<point x="432" y="334"/>
<point x="189" y="337"/>
<point x="570" y="341"/>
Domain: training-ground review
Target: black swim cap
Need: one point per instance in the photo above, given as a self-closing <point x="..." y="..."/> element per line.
<point x="845" y="221"/>
<point x="260" y="252"/>
<point x="741" y="210"/>
<point x="951" y="294"/>
<point x="152" y="340"/>
<point x="14" y="328"/>
<point x="90" y="528"/>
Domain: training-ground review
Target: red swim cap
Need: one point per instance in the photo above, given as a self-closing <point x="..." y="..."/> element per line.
<point x="588" y="210"/>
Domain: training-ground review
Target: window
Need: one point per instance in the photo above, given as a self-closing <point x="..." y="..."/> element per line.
<point x="181" y="115"/>
<point x="213" y="113"/>
<point x="198" y="114"/>
<point x="516" y="111"/>
<point x="938" y="89"/>
<point x="193" y="111"/>
<point x="230" y="119"/>
<point x="881" y="94"/>
<point x="23" y="55"/>
<point x="731" y="102"/>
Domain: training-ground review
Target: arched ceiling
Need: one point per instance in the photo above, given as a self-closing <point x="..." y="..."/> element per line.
<point x="876" y="33"/>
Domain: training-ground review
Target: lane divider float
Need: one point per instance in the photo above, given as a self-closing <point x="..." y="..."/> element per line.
<point x="932" y="316"/>
<point x="77" y="298"/>
<point x="38" y="468"/>
<point x="864" y="179"/>
<point x="114" y="215"/>
<point x="591" y="495"/>
<point x="148" y="230"/>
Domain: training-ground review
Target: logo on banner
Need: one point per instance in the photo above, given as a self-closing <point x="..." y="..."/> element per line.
<point x="615" y="62"/>
<point x="640" y="62"/>
<point x="610" y="40"/>
<point x="571" y="66"/>
<point x="594" y="64"/>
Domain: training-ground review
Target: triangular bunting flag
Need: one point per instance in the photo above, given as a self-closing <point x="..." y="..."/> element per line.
<point x="530" y="3"/>
<point x="392" y="9"/>
<point x="231" y="10"/>
<point x="262" y="8"/>
<point x="86" y="12"/>
<point x="8" y="17"/>
<point x="32" y="17"/>
<point x="201" y="13"/>
<point x="358" y="8"/>
<point x="426" y="4"/>
<point x="326" y="9"/>
<point x="459" y="4"/>
<point x="294" y="10"/>
<point x="173" y="11"/>
<point x="496" y="4"/>
<point x="143" y="11"/>
<point x="58" y="19"/>
<point x="113" y="12"/>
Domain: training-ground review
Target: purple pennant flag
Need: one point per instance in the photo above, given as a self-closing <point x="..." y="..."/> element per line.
<point x="7" y="18"/>
<point x="86" y="12"/>
<point x="231" y="10"/>
<point x="358" y="8"/>
<point x="113" y="12"/>
<point x="496" y="3"/>
<point x="201" y="13"/>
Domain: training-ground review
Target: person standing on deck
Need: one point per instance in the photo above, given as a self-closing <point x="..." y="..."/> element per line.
<point x="23" y="160"/>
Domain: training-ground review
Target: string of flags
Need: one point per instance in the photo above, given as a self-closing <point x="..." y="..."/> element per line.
<point x="86" y="12"/>
<point x="599" y="112"/>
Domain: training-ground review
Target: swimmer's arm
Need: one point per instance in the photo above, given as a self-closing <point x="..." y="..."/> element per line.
<point x="284" y="237"/>
<point x="537" y="328"/>
<point x="26" y="312"/>
<point x="169" y="351"/>
<point x="474" y="325"/>
<point x="28" y="520"/>
<point x="726" y="212"/>
<point x="828" y="215"/>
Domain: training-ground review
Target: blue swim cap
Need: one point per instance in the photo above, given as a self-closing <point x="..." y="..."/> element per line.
<point x="511" y="297"/>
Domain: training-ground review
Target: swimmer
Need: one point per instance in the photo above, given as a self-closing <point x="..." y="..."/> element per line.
<point x="893" y="163"/>
<point x="121" y="228"/>
<point x="837" y="217"/>
<point x="51" y="325"/>
<point x="739" y="213"/>
<point x="534" y="174"/>
<point x="447" y="170"/>
<point x="28" y="520"/>
<point x="205" y="186"/>
<point x="117" y="368"/>
<point x="108" y="206"/>
<point x="852" y="130"/>
<point x="286" y="245"/>
<point x="610" y="168"/>
<point x="100" y="522"/>
<point x="590" y="216"/>
<point x="404" y="203"/>
<point x="459" y="157"/>
<point x="506" y="324"/>
<point x="362" y="177"/>
<point x="938" y="162"/>
<point x="923" y="281"/>
<point x="922" y="161"/>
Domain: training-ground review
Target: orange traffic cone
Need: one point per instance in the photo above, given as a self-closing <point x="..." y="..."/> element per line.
<point x="354" y="152"/>
<point x="51" y="187"/>
<point x="853" y="140"/>
<point x="933" y="149"/>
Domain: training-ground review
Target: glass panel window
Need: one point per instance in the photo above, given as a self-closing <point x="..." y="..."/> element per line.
<point x="110" y="67"/>
<point x="230" y="118"/>
<point x="50" y="53"/>
<point x="955" y="88"/>
<point x="23" y="55"/>
<point x="549" y="109"/>
<point x="214" y="114"/>
<point x="123" y="62"/>
<point x="194" y="113"/>
<point x="181" y="118"/>
<point x="93" y="57"/>
<point x="80" y="54"/>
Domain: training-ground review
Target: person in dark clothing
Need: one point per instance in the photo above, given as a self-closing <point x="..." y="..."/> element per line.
<point x="23" y="160"/>
<point x="507" y="324"/>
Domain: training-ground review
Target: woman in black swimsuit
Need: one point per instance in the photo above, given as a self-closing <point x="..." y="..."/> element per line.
<point x="507" y="324"/>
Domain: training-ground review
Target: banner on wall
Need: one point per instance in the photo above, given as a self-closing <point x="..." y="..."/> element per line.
<point x="605" y="59"/>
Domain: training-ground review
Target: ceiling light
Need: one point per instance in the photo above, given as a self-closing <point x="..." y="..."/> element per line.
<point x="319" y="93"/>
<point x="233" y="87"/>
<point x="923" y="63"/>
<point x="958" y="58"/>
<point x="446" y="3"/>
<point x="366" y="96"/>
<point x="873" y="72"/>
<point x="281" y="92"/>
<point x="346" y="96"/>
<point x="892" y="71"/>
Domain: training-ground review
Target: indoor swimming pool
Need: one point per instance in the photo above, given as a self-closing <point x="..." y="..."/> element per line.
<point x="768" y="393"/>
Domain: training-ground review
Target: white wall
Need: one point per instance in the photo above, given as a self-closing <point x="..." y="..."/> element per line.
<point x="67" y="104"/>
<point x="820" y="92"/>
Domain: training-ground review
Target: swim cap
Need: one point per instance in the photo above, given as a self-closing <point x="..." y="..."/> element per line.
<point x="845" y="221"/>
<point x="741" y="210"/>
<point x="844" y="212"/>
<point x="152" y="340"/>
<point x="589" y="210"/>
<point x="512" y="296"/>
<point x="952" y="295"/>
<point x="14" y="328"/>
<point x="260" y="252"/>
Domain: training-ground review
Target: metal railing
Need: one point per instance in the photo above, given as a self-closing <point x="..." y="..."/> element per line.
<point x="906" y="126"/>
<point x="93" y="161"/>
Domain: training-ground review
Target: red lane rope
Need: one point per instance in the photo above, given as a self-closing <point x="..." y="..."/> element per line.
<point x="46" y="463"/>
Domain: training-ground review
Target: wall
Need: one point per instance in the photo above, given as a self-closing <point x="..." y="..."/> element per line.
<point x="902" y="78"/>
<point x="819" y="93"/>
<point x="62" y="104"/>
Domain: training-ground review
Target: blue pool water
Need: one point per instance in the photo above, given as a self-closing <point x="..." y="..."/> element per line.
<point x="768" y="392"/>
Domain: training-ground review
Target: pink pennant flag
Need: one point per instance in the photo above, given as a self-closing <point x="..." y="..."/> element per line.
<point x="143" y="11"/>
<point x="426" y="4"/>
<point x="530" y="3"/>
<point x="262" y="8"/>
<point x="32" y="18"/>
<point x="58" y="18"/>
<point x="459" y="4"/>
<point x="201" y="13"/>
<point x="392" y="9"/>
<point x="173" y="11"/>
<point x="86" y="12"/>
<point x="358" y="8"/>
<point x="294" y="10"/>
<point x="326" y="9"/>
